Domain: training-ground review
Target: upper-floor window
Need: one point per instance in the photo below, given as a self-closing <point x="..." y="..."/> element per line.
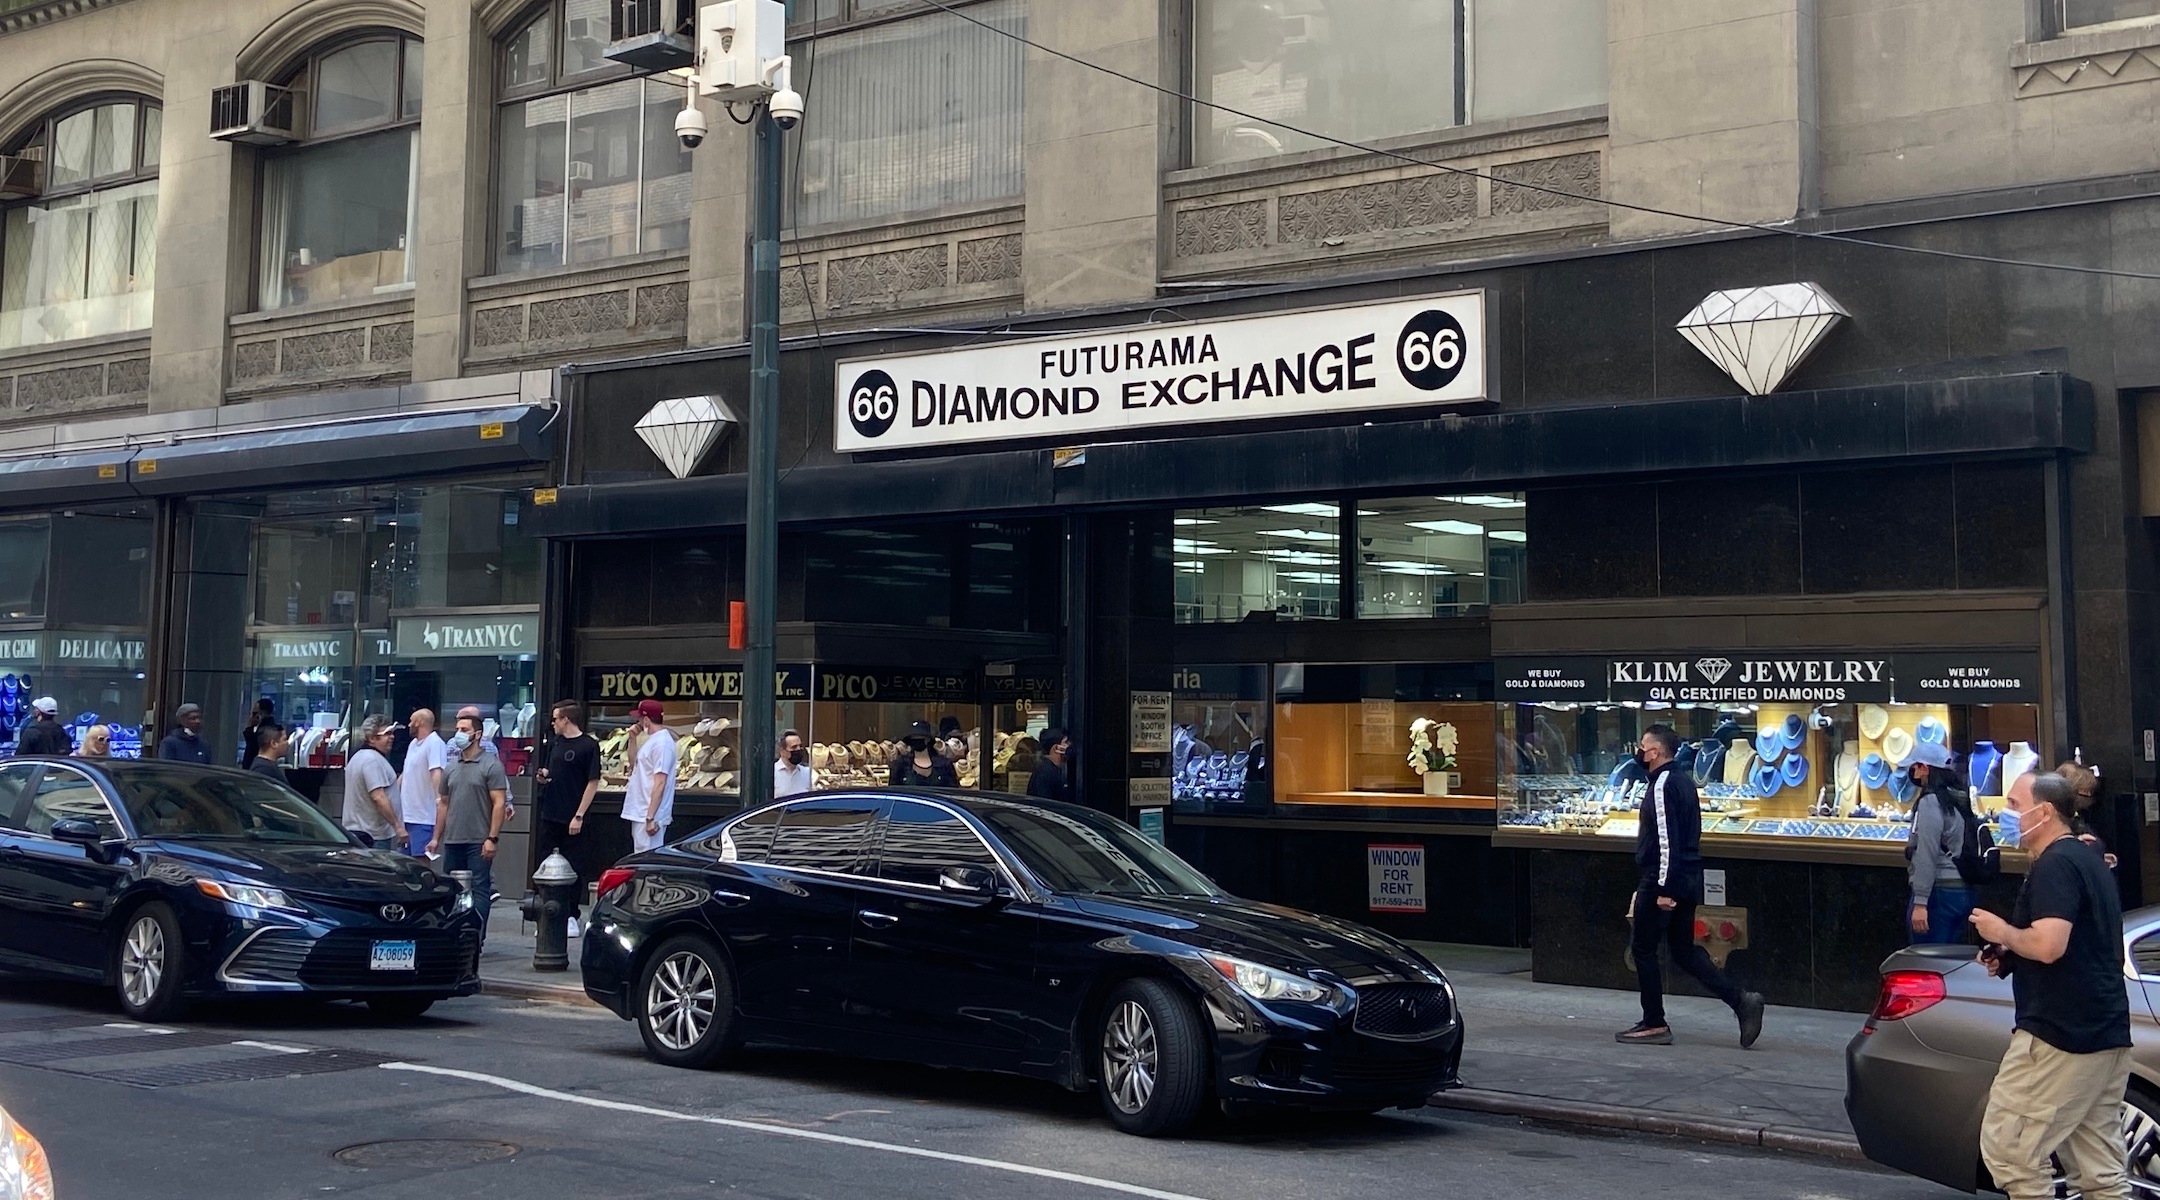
<point x="80" y="259"/>
<point x="1367" y="70"/>
<point x="587" y="166"/>
<point x="337" y="208"/>
<point x="2079" y="15"/>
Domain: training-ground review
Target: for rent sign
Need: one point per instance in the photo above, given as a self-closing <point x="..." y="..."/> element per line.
<point x="1112" y="383"/>
<point x="1395" y="878"/>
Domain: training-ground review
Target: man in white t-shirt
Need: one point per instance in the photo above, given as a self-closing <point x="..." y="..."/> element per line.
<point x="421" y="781"/>
<point x="649" y="796"/>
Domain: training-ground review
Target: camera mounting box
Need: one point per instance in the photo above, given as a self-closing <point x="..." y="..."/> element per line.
<point x="736" y="38"/>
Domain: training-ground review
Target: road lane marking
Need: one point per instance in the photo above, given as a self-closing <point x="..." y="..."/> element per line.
<point x="643" y="1110"/>
<point x="273" y="1046"/>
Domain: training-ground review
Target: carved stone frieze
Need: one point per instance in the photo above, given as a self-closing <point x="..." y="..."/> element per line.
<point x="59" y="388"/>
<point x="1221" y="228"/>
<point x="391" y="343"/>
<point x="331" y="350"/>
<point x="875" y="278"/>
<point x="1310" y="218"/>
<point x="499" y="326"/>
<point x="127" y="377"/>
<point x="798" y="283"/>
<point x="663" y="305"/>
<point x="580" y="316"/>
<point x="254" y="360"/>
<point x="1579" y="176"/>
<point x="983" y="260"/>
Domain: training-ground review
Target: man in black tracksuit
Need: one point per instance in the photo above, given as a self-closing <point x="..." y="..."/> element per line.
<point x="1669" y="881"/>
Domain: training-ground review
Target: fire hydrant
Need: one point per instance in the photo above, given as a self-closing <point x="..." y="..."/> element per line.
<point x="551" y="906"/>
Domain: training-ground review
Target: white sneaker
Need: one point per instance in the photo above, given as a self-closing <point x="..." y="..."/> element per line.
<point x="573" y="927"/>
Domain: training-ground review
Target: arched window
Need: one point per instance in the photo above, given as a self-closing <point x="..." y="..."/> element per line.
<point x="587" y="165"/>
<point x="79" y="259"/>
<point x="337" y="206"/>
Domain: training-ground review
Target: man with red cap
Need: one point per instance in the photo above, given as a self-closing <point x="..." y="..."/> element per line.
<point x="649" y="797"/>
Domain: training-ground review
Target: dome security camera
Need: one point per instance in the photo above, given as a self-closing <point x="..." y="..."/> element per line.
<point x="787" y="108"/>
<point x="690" y="127"/>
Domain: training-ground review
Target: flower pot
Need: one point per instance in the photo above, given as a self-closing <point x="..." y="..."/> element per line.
<point x="1436" y="783"/>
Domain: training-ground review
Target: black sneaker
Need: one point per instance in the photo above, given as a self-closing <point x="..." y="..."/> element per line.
<point x="1751" y="1005"/>
<point x="1642" y="1033"/>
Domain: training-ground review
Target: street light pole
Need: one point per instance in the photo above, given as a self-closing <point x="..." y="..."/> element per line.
<point x="762" y="533"/>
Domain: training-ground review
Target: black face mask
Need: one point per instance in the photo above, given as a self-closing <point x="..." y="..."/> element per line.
<point x="918" y="745"/>
<point x="798" y="756"/>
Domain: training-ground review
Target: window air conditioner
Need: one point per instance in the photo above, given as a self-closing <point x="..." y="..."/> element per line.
<point x="580" y="172"/>
<point x="22" y="177"/>
<point x="653" y="35"/>
<point x="254" y="112"/>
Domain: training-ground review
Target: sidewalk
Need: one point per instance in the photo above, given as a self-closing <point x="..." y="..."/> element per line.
<point x="1536" y="1050"/>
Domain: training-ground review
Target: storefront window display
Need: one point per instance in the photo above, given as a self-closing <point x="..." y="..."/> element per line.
<point x="1017" y="700"/>
<point x="1284" y="559"/>
<point x="74" y="604"/>
<point x="1219" y="738"/>
<point x="1345" y="737"/>
<point x="1782" y="745"/>
<point x="1439" y="556"/>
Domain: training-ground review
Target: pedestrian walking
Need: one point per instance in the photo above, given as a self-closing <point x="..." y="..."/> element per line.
<point x="2085" y="781"/>
<point x="370" y="813"/>
<point x="251" y="737"/>
<point x="1050" y="782"/>
<point x="96" y="742"/>
<point x="649" y="796"/>
<point x="568" y="782"/>
<point x="791" y="772"/>
<point x="271" y="742"/>
<point x="2059" y="1090"/>
<point x="1941" y="897"/>
<point x="43" y="733"/>
<point x="185" y="743"/>
<point x="920" y="765"/>
<point x="1669" y="873"/>
<point x="470" y="812"/>
<point x="420" y="783"/>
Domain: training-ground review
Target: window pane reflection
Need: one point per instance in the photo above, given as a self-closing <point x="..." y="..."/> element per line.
<point x="356" y="87"/>
<point x="1439" y="556"/>
<point x="1283" y="559"/>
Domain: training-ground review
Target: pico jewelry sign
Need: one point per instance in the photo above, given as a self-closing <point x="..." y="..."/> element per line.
<point x="1115" y="382"/>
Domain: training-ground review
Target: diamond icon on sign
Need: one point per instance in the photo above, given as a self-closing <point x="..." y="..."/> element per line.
<point x="681" y="432"/>
<point x="1759" y="335"/>
<point x="1713" y="669"/>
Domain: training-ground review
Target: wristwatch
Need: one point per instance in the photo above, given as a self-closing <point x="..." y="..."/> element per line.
<point x="493" y="840"/>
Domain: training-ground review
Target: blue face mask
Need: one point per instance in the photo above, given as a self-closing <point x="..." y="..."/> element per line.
<point x="2006" y="827"/>
<point x="460" y="740"/>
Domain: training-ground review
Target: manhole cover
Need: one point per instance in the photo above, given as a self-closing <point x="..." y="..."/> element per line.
<point x="424" y="1153"/>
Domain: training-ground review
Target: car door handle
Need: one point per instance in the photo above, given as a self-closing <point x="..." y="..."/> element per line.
<point x="876" y="919"/>
<point x="731" y="899"/>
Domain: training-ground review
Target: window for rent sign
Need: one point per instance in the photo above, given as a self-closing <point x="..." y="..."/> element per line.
<point x="1115" y="382"/>
<point x="1395" y="878"/>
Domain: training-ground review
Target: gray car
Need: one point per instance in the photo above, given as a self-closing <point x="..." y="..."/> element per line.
<point x="1917" y="1074"/>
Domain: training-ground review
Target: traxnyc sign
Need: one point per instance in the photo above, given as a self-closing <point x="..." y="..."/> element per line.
<point x="498" y="634"/>
<point x="1394" y="354"/>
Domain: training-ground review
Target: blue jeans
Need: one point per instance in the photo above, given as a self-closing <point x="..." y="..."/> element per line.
<point x="1948" y="908"/>
<point x="465" y="856"/>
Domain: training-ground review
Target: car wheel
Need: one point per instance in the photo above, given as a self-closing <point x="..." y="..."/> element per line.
<point x="1153" y="1060"/>
<point x="399" y="1008"/>
<point x="2141" y="1148"/>
<point x="149" y="963"/>
<point x="686" y="1005"/>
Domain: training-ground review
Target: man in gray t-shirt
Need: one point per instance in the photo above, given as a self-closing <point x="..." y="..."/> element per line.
<point x="369" y="811"/>
<point x="470" y="813"/>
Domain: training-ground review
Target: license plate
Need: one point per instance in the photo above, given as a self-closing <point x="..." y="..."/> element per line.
<point x="394" y="956"/>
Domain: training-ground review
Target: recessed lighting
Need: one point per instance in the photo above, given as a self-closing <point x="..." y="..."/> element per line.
<point x="1299" y="535"/>
<point x="1463" y="527"/>
<point x="1194" y="521"/>
<point x="1482" y="501"/>
<point x="1510" y="535"/>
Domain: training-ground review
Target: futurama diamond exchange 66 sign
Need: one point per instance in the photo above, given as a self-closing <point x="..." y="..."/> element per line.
<point x="1114" y="383"/>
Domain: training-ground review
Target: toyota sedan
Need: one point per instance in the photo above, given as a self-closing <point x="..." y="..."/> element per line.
<point x="999" y="933"/>
<point x="170" y="881"/>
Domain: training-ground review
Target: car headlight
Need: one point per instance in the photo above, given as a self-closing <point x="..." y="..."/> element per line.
<point x="247" y="895"/>
<point x="24" y="1171"/>
<point x="464" y="901"/>
<point x="1266" y="983"/>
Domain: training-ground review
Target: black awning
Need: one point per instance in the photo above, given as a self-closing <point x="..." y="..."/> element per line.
<point x="57" y="480"/>
<point x="425" y="443"/>
<point x="2034" y="414"/>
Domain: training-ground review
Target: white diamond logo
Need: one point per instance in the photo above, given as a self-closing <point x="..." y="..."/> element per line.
<point x="681" y="432"/>
<point x="1713" y="669"/>
<point x="1759" y="335"/>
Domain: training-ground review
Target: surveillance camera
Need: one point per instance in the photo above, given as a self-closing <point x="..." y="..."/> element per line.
<point x="690" y="128"/>
<point x="787" y="108"/>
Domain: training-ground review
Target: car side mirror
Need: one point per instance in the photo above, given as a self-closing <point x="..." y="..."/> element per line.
<point x="81" y="831"/>
<point x="977" y="882"/>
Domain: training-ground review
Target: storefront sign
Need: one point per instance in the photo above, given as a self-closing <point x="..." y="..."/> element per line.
<point x="1140" y="792"/>
<point x="24" y="648"/>
<point x="1750" y="677"/>
<point x="1967" y="677"/>
<point x="1150" y="724"/>
<point x="1561" y="680"/>
<point x="919" y="687"/>
<point x="1391" y="354"/>
<point x="307" y="649"/>
<point x="1003" y="682"/>
<point x="1713" y="886"/>
<point x="626" y="685"/>
<point x="97" y="650"/>
<point x="1220" y="683"/>
<point x="1395" y="878"/>
<point x="498" y="634"/>
<point x="1151" y="824"/>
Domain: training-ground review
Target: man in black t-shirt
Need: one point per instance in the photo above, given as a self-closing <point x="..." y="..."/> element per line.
<point x="1050" y="781"/>
<point x="2060" y="1088"/>
<point x="270" y="743"/>
<point x="568" y="784"/>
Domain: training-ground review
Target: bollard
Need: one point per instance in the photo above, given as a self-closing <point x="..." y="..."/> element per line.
<point x="551" y="906"/>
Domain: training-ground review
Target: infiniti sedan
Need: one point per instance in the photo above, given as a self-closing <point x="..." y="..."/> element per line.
<point x="999" y="933"/>
<point x="1918" y="1073"/>
<point x="170" y="881"/>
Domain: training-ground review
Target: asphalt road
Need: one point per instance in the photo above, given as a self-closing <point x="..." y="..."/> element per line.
<point x="513" y="1099"/>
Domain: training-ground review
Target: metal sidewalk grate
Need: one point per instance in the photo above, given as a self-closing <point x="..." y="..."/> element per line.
<point x="264" y="1066"/>
<point x="38" y="1053"/>
<point x="51" y="1021"/>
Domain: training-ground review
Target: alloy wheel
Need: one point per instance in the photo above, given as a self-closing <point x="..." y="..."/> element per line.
<point x="681" y="1001"/>
<point x="1130" y="1058"/>
<point x="142" y="962"/>
<point x="2141" y="1157"/>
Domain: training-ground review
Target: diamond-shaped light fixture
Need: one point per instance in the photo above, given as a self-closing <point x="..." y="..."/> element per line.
<point x="680" y="432"/>
<point x="1760" y="334"/>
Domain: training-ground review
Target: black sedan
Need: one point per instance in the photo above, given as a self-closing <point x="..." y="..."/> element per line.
<point x="169" y="881"/>
<point x="1000" y="933"/>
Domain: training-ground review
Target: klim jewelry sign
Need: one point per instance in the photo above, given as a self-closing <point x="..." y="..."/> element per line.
<point x="1118" y="382"/>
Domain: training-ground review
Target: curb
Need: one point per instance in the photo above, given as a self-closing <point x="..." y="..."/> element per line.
<point x="1638" y="1120"/>
<point x="521" y="989"/>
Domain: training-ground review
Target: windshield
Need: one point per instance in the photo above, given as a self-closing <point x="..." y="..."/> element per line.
<point x="1091" y="854"/>
<point x="221" y="806"/>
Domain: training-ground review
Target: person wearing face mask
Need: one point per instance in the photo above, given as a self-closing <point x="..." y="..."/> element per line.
<point x="2059" y="1091"/>
<point x="470" y="813"/>
<point x="921" y="766"/>
<point x="1941" y="896"/>
<point x="791" y="774"/>
<point x="1050" y="781"/>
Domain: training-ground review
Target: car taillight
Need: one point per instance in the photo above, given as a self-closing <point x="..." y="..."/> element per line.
<point x="1907" y="992"/>
<point x="615" y="877"/>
